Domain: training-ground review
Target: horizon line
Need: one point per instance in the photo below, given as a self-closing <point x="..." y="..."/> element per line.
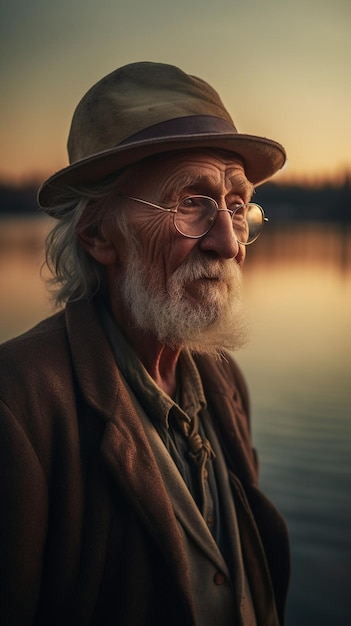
<point x="281" y="178"/>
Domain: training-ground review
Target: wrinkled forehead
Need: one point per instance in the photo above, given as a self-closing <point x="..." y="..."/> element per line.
<point x="190" y="169"/>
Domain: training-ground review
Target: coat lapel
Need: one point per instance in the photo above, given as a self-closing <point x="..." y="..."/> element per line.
<point x="125" y="446"/>
<point x="226" y="394"/>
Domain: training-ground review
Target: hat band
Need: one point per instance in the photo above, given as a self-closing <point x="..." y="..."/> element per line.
<point x="181" y="126"/>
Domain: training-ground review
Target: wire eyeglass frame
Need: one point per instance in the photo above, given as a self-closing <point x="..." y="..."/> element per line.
<point x="251" y="207"/>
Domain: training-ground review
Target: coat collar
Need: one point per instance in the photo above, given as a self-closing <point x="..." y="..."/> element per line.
<point x="92" y="358"/>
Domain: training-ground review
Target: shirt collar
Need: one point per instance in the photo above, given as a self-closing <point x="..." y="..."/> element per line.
<point x="158" y="404"/>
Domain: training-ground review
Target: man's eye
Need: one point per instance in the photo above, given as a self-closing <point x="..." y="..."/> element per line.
<point x="239" y="210"/>
<point x="188" y="202"/>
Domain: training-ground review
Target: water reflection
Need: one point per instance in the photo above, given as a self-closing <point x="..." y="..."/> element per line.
<point x="298" y="366"/>
<point x="308" y="243"/>
<point x="297" y="289"/>
<point x="23" y="297"/>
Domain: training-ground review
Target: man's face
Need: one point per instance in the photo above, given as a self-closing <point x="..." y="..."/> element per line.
<point x="169" y="181"/>
<point x="175" y="285"/>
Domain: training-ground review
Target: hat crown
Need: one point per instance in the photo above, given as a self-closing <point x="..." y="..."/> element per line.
<point x="143" y="109"/>
<point x="133" y="98"/>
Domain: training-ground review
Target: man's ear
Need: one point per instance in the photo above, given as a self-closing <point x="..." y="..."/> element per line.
<point x="96" y="244"/>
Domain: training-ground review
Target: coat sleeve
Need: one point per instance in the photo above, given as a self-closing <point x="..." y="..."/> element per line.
<point x="23" y="522"/>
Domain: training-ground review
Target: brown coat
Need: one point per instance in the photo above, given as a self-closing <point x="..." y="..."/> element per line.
<point x="87" y="531"/>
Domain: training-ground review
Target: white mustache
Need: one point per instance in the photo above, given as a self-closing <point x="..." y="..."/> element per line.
<point x="196" y="268"/>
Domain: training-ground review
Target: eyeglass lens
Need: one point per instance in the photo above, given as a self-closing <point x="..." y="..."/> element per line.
<point x="196" y="214"/>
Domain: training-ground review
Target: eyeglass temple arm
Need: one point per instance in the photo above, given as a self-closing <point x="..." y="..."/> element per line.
<point x="155" y="206"/>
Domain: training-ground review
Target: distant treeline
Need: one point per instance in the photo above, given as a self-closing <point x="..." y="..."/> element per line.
<point x="291" y="202"/>
<point x="19" y="200"/>
<point x="281" y="202"/>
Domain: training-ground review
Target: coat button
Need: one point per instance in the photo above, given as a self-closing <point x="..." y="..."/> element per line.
<point x="219" y="578"/>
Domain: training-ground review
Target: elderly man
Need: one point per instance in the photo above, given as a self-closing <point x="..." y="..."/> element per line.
<point x="128" y="480"/>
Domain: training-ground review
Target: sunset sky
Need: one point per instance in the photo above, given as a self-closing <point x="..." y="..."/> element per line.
<point x="282" y="69"/>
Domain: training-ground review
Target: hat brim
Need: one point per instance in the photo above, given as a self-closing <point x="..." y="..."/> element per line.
<point x="262" y="159"/>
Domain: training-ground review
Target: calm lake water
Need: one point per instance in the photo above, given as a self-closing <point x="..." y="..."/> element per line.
<point x="298" y="365"/>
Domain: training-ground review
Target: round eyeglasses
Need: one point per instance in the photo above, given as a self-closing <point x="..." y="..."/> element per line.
<point x="194" y="217"/>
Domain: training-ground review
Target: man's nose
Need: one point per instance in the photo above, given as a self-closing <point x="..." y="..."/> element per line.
<point x="221" y="239"/>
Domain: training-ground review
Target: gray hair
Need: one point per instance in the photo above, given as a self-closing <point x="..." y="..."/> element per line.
<point x="75" y="275"/>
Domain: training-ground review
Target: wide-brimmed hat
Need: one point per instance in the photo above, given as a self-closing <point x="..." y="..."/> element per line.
<point x="143" y="109"/>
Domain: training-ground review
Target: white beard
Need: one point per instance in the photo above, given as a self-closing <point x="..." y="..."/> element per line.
<point x="207" y="324"/>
